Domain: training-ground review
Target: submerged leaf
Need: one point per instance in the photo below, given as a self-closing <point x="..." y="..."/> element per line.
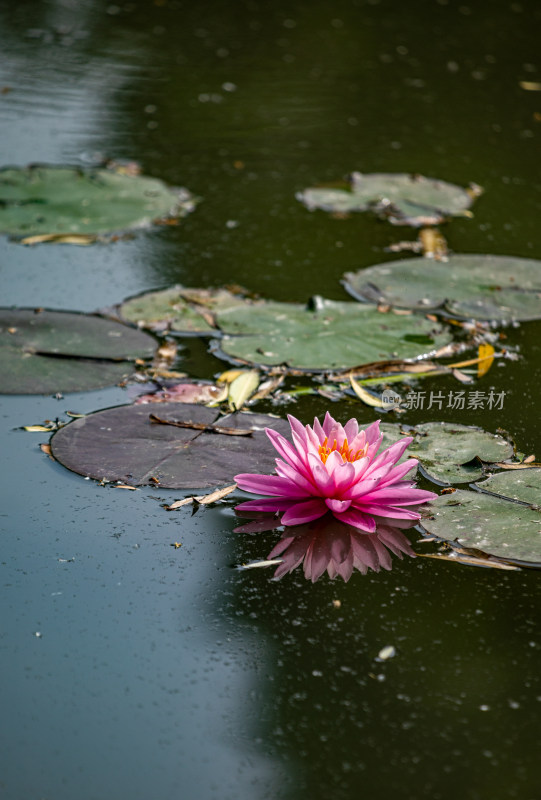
<point x="59" y="351"/>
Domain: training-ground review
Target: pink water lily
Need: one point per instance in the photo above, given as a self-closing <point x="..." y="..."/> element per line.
<point x="336" y="468"/>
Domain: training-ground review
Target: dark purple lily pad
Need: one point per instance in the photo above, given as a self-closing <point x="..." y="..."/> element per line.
<point x="123" y="444"/>
<point x="42" y="352"/>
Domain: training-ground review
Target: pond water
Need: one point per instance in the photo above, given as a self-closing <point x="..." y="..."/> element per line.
<point x="131" y="668"/>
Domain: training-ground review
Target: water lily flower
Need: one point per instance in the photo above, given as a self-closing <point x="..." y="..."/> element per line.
<point x="336" y="468"/>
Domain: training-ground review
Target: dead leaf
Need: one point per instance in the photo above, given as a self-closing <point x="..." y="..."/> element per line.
<point x="530" y="86"/>
<point x="204" y="499"/>
<point x="61" y="238"/>
<point x="46" y="448"/>
<point x="125" y="486"/>
<point x="486" y="359"/>
<point x="364" y="395"/>
<point x="242" y="388"/>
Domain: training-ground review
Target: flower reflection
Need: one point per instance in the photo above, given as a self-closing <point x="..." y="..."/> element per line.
<point x="328" y="545"/>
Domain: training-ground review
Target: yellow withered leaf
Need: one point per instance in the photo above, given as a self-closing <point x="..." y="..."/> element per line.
<point x="242" y="388"/>
<point x="364" y="395"/>
<point x="486" y="353"/>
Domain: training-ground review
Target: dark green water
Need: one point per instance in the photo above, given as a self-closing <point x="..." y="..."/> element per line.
<point x="168" y="674"/>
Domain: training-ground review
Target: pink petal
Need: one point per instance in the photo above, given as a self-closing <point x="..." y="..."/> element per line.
<point x="269" y="484"/>
<point x="304" y="512"/>
<point x="351" y="429"/>
<point x="285" y="470"/>
<point x="276" y="504"/>
<point x="337" y="506"/>
<point x="328" y="424"/>
<point x="387" y="511"/>
<point x="286" y="450"/>
<point x="318" y="430"/>
<point x="353" y="516"/>
<point x="398" y="497"/>
<point x="398" y="472"/>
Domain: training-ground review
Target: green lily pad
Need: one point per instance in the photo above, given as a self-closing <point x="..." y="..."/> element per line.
<point x="123" y="444"/>
<point x="449" y="453"/>
<point x="43" y="200"/>
<point x="500" y="288"/>
<point x="523" y="485"/>
<point x="43" y="352"/>
<point x="493" y="525"/>
<point x="402" y="199"/>
<point x="452" y="453"/>
<point x="179" y="309"/>
<point x="330" y="335"/>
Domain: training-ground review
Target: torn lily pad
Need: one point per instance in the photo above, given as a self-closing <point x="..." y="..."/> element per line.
<point x="179" y="309"/>
<point x="125" y="444"/>
<point x="325" y="335"/>
<point x="495" y="526"/>
<point x="44" y="352"/>
<point x="402" y="199"/>
<point x="49" y="201"/>
<point x="484" y="287"/>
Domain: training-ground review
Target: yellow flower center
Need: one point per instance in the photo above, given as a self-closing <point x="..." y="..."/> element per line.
<point x="347" y="454"/>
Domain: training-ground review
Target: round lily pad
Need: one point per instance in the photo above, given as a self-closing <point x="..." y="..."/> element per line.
<point x="523" y="485"/>
<point x="326" y="335"/>
<point x="402" y="199"/>
<point x="179" y="309"/>
<point x="44" y="352"/>
<point x="494" y="525"/>
<point x="452" y="453"/>
<point x="124" y="444"/>
<point x="501" y="288"/>
<point x="42" y="200"/>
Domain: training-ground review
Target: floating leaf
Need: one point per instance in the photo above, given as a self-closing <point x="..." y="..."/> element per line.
<point x="50" y="201"/>
<point x="330" y="336"/>
<point x="60" y="351"/>
<point x="364" y="395"/>
<point x="400" y="198"/>
<point x="122" y="444"/>
<point x="178" y="309"/>
<point x="452" y="453"/>
<point x="491" y="524"/>
<point x="525" y="487"/>
<point x="242" y="388"/>
<point x="501" y="288"/>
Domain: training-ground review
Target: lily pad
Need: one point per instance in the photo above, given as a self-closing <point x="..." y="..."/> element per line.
<point x="449" y="453"/>
<point x="452" y="453"/>
<point x="327" y="335"/>
<point x="493" y="525"/>
<point x="123" y="444"/>
<point x="523" y="485"/>
<point x="179" y="309"/>
<point x="60" y="351"/>
<point x="402" y="199"/>
<point x="501" y="288"/>
<point x="42" y="200"/>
